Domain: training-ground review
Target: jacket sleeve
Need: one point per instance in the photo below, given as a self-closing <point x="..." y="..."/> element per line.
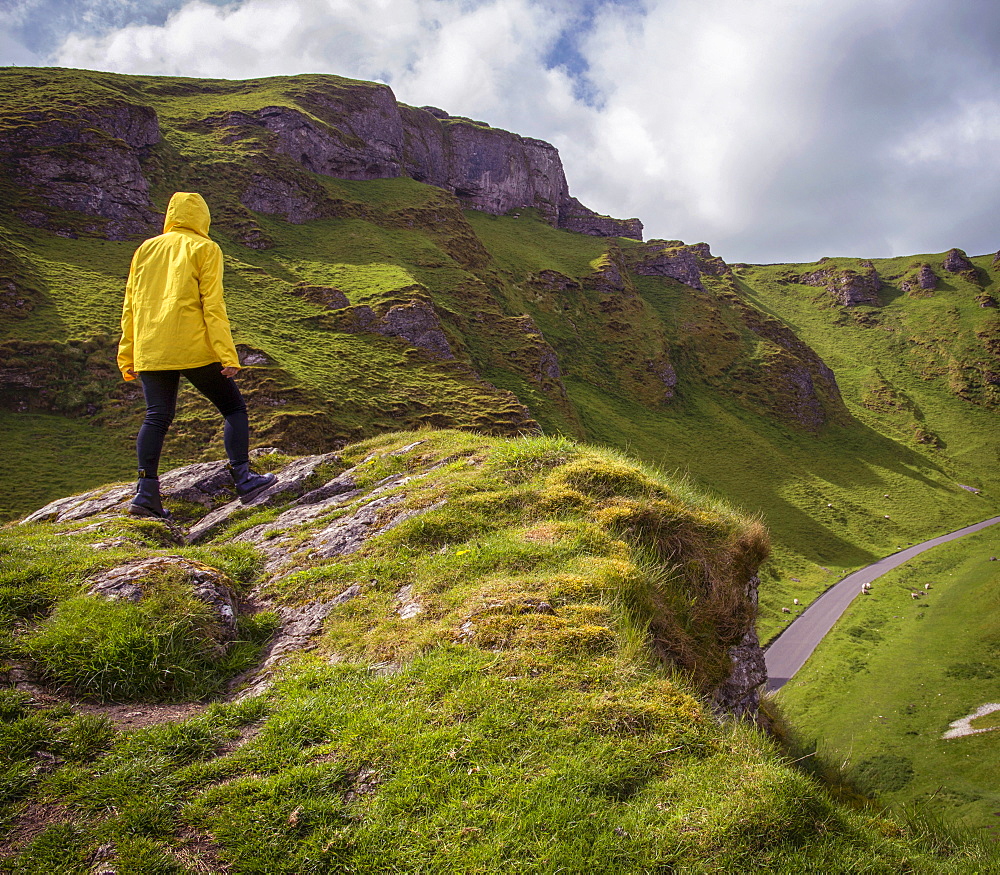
<point x="126" y="346"/>
<point x="214" y="308"/>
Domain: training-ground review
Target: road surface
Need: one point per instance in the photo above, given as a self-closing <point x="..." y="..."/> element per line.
<point x="789" y="651"/>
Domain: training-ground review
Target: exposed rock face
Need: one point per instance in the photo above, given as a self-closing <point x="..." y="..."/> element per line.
<point x="363" y="144"/>
<point x="665" y="371"/>
<point x="89" y="160"/>
<point x="547" y="372"/>
<point x="574" y="216"/>
<point x="611" y="276"/>
<point x="324" y="296"/>
<point x="739" y="694"/>
<point x="956" y="261"/>
<point x="362" y="133"/>
<point x="848" y="287"/>
<point x="285" y="197"/>
<point x="251" y="357"/>
<point x="552" y="281"/>
<point x="671" y="258"/>
<point x="86" y="162"/>
<point x="416" y="322"/>
<point x="799" y="386"/>
<point x="924" y="280"/>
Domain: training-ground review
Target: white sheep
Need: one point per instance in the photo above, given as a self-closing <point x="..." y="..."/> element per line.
<point x="927" y="586"/>
<point x="795" y="601"/>
<point x="786" y="610"/>
<point x="915" y="595"/>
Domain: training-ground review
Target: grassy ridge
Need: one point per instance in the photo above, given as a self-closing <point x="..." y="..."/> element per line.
<point x="886" y="683"/>
<point x="552" y="737"/>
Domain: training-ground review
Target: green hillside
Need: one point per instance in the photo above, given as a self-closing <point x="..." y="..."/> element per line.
<point x="849" y="406"/>
<point x="697" y="381"/>
<point x="509" y="679"/>
<point x="884" y="687"/>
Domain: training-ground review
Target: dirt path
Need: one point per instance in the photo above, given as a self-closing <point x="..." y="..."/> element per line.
<point x="789" y="651"/>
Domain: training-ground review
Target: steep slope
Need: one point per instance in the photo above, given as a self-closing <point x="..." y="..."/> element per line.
<point x="513" y="636"/>
<point x="366" y="299"/>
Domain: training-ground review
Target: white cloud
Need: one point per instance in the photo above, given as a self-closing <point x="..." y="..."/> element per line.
<point x="957" y="137"/>
<point x="773" y="129"/>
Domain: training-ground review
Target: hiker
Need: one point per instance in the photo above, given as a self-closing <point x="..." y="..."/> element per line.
<point x="174" y="322"/>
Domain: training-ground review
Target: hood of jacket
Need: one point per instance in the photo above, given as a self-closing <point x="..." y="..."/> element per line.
<point x="187" y="209"/>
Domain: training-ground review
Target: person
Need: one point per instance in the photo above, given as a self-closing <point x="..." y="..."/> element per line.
<point x="174" y="323"/>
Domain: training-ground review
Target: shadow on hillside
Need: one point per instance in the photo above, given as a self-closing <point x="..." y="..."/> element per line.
<point x="862" y="449"/>
<point x="808" y="537"/>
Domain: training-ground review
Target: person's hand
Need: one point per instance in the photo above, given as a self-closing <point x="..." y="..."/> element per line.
<point x="131" y="373"/>
<point x="231" y="371"/>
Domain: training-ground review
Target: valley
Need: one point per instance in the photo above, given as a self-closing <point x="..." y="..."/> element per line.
<point x="673" y="454"/>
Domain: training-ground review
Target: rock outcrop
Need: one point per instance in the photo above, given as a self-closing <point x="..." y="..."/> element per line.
<point x="544" y="370"/>
<point x="94" y="159"/>
<point x="85" y="160"/>
<point x="574" y="216"/>
<point x="361" y="133"/>
<point x="848" y="287"/>
<point x="129" y="582"/>
<point x="956" y="261"/>
<point x="920" y="279"/>
<point x="324" y="296"/>
<point x="739" y="694"/>
<point x="415" y="322"/>
<point x="798" y="386"/>
<point x="671" y="258"/>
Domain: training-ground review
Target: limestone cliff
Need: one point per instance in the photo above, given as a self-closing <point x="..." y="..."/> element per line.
<point x="97" y="159"/>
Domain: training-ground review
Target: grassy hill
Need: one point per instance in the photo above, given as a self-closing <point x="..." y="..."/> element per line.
<point x="851" y="404"/>
<point x="821" y="492"/>
<point x="501" y="684"/>
<point x="546" y="326"/>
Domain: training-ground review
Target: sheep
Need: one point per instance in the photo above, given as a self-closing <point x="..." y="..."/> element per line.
<point x="927" y="586"/>
<point x="795" y="601"/>
<point x="786" y="610"/>
<point x="915" y="595"/>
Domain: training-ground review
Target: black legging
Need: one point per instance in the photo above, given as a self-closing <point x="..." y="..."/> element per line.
<point x="160" y="389"/>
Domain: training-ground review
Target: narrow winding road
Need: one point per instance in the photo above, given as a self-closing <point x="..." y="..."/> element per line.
<point x="789" y="651"/>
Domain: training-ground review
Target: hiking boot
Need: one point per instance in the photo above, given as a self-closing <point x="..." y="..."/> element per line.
<point x="248" y="484"/>
<point x="147" y="498"/>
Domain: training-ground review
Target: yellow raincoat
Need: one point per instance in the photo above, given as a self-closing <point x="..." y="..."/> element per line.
<point x="174" y="316"/>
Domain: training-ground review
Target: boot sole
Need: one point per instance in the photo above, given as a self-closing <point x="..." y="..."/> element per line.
<point x="250" y="496"/>
<point x="136" y="510"/>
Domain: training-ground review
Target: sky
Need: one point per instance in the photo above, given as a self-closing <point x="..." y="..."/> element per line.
<point x="774" y="130"/>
